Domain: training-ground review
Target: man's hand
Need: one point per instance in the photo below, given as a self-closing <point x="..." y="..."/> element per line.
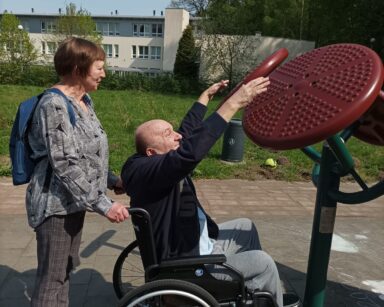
<point x="245" y="94"/>
<point x="208" y="94"/>
<point x="242" y="97"/>
<point x="118" y="213"/>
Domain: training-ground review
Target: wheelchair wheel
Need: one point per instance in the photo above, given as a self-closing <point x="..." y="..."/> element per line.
<point x="169" y="293"/>
<point x="128" y="272"/>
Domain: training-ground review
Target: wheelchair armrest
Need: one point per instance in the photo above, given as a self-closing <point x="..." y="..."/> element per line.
<point x="186" y="261"/>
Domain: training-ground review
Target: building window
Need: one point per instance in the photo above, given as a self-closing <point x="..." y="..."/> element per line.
<point x="48" y="27"/>
<point x="102" y="28"/>
<point x="51" y="47"/>
<point x="48" y="47"/>
<point x="140" y="52"/>
<point x="155" y="53"/>
<point x="108" y="50"/>
<point x="141" y="29"/>
<point x="108" y="28"/>
<point x="117" y="29"/>
<point x="157" y="30"/>
<point x="144" y="30"/>
<point x="143" y="52"/>
<point x="116" y="50"/>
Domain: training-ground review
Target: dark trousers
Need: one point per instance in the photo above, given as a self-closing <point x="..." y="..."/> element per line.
<point x="58" y="242"/>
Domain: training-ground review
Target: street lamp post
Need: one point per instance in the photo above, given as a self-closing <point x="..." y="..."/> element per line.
<point x="20" y="28"/>
<point x="371" y="42"/>
<point x="301" y="19"/>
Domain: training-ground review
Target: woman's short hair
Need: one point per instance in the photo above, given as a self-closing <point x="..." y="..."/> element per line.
<point x="77" y="53"/>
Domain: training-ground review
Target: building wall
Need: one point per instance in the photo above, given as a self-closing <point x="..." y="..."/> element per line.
<point x="121" y="42"/>
<point x="259" y="48"/>
<point x="176" y="20"/>
<point x="295" y="47"/>
<point x="126" y="59"/>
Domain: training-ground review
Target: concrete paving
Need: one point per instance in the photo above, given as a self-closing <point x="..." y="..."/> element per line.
<point x="282" y="211"/>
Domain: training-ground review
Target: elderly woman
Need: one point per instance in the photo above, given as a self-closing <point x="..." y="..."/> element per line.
<point x="72" y="173"/>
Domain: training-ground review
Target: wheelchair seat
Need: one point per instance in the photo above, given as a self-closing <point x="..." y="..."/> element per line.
<point x="192" y="270"/>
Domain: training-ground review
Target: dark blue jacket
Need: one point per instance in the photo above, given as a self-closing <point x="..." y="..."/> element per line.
<point x="155" y="184"/>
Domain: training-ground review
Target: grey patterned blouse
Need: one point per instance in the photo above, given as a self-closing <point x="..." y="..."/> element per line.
<point x="78" y="156"/>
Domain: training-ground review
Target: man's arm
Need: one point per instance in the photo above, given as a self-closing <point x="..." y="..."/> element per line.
<point x="196" y="114"/>
<point x="164" y="170"/>
<point x="114" y="183"/>
<point x="160" y="172"/>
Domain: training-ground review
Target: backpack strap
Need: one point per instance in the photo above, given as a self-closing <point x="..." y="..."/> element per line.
<point x="70" y="110"/>
<point x="72" y="119"/>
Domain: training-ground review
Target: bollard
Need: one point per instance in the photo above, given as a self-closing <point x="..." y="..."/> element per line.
<point x="233" y="142"/>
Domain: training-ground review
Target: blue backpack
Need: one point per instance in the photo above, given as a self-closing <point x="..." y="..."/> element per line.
<point x="20" y="151"/>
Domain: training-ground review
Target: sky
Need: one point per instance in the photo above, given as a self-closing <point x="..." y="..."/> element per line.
<point x="95" y="7"/>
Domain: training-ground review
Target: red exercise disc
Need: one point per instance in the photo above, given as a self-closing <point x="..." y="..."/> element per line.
<point x="262" y="70"/>
<point x="314" y="96"/>
<point x="371" y="129"/>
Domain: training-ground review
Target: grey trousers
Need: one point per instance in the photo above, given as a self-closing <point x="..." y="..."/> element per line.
<point x="58" y="242"/>
<point x="239" y="241"/>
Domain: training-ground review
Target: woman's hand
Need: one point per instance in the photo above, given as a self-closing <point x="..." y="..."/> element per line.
<point x="208" y="94"/>
<point x="118" y="213"/>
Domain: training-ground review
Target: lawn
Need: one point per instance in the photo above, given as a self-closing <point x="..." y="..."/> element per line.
<point x="121" y="111"/>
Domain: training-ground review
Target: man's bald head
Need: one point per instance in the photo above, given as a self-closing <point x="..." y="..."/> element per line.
<point x="156" y="137"/>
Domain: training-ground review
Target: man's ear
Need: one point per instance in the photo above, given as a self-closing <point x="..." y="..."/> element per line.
<point x="150" y="152"/>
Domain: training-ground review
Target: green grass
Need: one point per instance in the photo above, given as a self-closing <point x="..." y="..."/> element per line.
<point x="121" y="112"/>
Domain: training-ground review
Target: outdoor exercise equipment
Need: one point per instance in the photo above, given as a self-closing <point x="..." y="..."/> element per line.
<point x="233" y="140"/>
<point x="262" y="70"/>
<point x="328" y="94"/>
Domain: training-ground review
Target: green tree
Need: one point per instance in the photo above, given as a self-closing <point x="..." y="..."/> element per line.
<point x="77" y="23"/>
<point x="186" y="63"/>
<point x="285" y="18"/>
<point x="347" y="21"/>
<point x="232" y="29"/>
<point x="194" y="7"/>
<point x="17" y="51"/>
<point x="227" y="57"/>
<point x="234" y="17"/>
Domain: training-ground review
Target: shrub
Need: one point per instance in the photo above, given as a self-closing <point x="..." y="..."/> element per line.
<point x="45" y="76"/>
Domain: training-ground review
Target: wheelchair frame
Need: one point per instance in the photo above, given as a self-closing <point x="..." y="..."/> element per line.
<point x="191" y="272"/>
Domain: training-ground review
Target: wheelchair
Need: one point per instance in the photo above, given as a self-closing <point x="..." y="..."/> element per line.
<point x="183" y="281"/>
<point x="137" y="264"/>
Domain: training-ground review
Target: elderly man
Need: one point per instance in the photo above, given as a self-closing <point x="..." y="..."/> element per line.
<point x="157" y="179"/>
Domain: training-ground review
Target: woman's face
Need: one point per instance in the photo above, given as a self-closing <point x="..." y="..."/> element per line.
<point x="95" y="75"/>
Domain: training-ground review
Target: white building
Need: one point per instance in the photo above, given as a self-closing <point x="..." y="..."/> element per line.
<point x="132" y="43"/>
<point x="146" y="43"/>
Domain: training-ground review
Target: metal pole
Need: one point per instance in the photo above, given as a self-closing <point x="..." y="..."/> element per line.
<point x="322" y="231"/>
<point x="301" y="19"/>
<point x="20" y="32"/>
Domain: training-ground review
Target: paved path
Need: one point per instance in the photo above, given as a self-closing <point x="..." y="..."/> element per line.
<point x="282" y="211"/>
